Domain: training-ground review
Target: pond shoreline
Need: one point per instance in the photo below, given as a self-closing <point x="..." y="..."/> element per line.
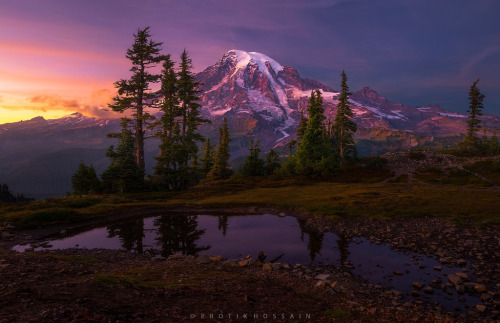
<point x="451" y="243"/>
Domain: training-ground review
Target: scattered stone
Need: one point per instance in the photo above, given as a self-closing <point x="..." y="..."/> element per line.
<point x="461" y="262"/>
<point x="267" y="266"/>
<point x="320" y="284"/>
<point x="463" y="276"/>
<point x="336" y="288"/>
<point x="282" y="215"/>
<point x="322" y="277"/>
<point x="243" y="263"/>
<point x="455" y="280"/>
<point x="480" y="288"/>
<point x="444" y="260"/>
<point x="397" y="272"/>
<point x="438" y="268"/>
<point x="276" y="266"/>
<point x="428" y="290"/>
<point x="204" y="259"/>
<point x="480" y="308"/>
<point x="415" y="293"/>
<point x="418" y="285"/>
<point x="216" y="258"/>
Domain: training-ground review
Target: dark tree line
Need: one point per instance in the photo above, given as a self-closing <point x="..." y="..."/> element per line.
<point x="323" y="145"/>
<point x="6" y="195"/>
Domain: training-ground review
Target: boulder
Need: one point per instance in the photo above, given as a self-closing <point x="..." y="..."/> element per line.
<point x="454" y="279"/>
<point x="480" y="288"/>
<point x="322" y="277"/>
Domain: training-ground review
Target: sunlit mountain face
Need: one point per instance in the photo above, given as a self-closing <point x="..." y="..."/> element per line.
<point x="259" y="97"/>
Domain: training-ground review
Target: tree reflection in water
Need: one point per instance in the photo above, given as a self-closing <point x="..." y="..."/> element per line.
<point x="315" y="242"/>
<point x="130" y="233"/>
<point x="178" y="233"/>
<point x="222" y="224"/>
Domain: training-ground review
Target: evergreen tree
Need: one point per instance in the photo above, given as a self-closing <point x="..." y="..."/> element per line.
<point x="85" y="180"/>
<point x="220" y="169"/>
<point x="290" y="146"/>
<point x="301" y="130"/>
<point x="207" y="160"/>
<point x="135" y="93"/>
<point x="177" y="163"/>
<point x="189" y="109"/>
<point x="343" y="126"/>
<point x="253" y="164"/>
<point x="168" y="161"/>
<point x="315" y="153"/>
<point x="123" y="174"/>
<point x="475" y="107"/>
<point x="5" y="193"/>
<point x="272" y="162"/>
<point x="7" y="196"/>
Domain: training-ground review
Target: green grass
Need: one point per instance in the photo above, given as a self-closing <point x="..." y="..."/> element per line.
<point x="488" y="168"/>
<point x="451" y="194"/>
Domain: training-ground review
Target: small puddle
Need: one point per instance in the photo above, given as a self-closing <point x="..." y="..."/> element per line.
<point x="283" y="239"/>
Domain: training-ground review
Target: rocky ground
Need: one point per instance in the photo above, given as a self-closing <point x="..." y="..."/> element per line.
<point x="119" y="286"/>
<point x="105" y="285"/>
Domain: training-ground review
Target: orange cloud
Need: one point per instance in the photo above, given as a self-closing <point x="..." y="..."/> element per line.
<point x="46" y="103"/>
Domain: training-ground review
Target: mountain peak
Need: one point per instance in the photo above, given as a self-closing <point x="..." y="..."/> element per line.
<point x="243" y="59"/>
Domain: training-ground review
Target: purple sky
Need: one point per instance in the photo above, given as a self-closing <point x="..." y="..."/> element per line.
<point x="60" y="56"/>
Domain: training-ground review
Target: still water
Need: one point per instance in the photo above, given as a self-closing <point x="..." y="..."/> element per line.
<point x="283" y="239"/>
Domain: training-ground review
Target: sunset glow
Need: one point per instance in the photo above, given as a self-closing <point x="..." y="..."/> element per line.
<point x="61" y="57"/>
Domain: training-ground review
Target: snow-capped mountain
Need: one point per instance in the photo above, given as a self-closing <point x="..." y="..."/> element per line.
<point x="252" y="88"/>
<point x="259" y="97"/>
<point x="255" y="91"/>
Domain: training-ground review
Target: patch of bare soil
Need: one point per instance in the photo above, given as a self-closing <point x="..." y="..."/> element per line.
<point x="119" y="286"/>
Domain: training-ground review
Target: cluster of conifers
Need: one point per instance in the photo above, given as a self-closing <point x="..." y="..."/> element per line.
<point x="321" y="145"/>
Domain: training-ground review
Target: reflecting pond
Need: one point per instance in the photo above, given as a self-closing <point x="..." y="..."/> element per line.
<point x="283" y="239"/>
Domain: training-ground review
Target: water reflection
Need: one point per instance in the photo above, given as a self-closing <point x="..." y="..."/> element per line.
<point x="288" y="240"/>
<point x="179" y="234"/>
<point x="130" y="234"/>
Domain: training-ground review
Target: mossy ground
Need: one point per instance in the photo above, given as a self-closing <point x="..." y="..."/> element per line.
<point x="453" y="194"/>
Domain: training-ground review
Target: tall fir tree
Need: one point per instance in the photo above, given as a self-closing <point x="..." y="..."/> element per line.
<point x="272" y="162"/>
<point x="220" y="169"/>
<point x="301" y="129"/>
<point x="343" y="126"/>
<point x="253" y="164"/>
<point x="290" y="146"/>
<point x="135" y="93"/>
<point x="315" y="153"/>
<point x="168" y="159"/>
<point x="189" y="109"/>
<point x="475" y="107"/>
<point x="207" y="161"/>
<point x="85" y="180"/>
<point x="177" y="164"/>
<point x="123" y="173"/>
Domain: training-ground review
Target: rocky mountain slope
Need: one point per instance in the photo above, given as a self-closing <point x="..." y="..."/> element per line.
<point x="259" y="97"/>
<point x="262" y="98"/>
